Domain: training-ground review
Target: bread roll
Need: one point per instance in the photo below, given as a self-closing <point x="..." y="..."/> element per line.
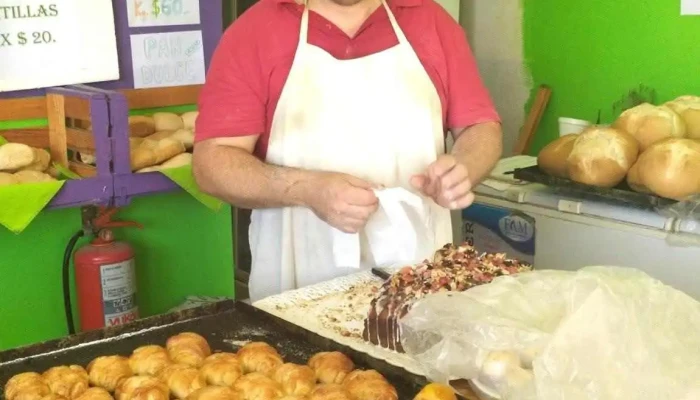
<point x="7" y="179"/>
<point x="42" y="159"/>
<point x="552" y="158"/>
<point x="149" y="360"/>
<point x="142" y="388"/>
<point x="186" y="136"/>
<point x="177" y="161"/>
<point x="649" y="124"/>
<point x="182" y="380"/>
<point x="330" y="391"/>
<point x="95" y="393"/>
<point x="141" y="125"/>
<point x="634" y="181"/>
<point x="26" y="386"/>
<point x="331" y="366"/>
<point x="295" y="379"/>
<point x="688" y="107"/>
<point x="189" y="119"/>
<point x="14" y="156"/>
<point x="257" y="386"/>
<point x="601" y="156"/>
<point x="671" y="168"/>
<point x="215" y="393"/>
<point x="166" y="121"/>
<point x="32" y="177"/>
<point x="369" y="385"/>
<point x="222" y="369"/>
<point x="107" y="371"/>
<point x="188" y="348"/>
<point x="149" y="153"/>
<point x="259" y="357"/>
<point x="67" y="381"/>
<point x="160" y="135"/>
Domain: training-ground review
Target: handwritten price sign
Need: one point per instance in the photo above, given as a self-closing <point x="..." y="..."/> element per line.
<point x="162" y="12"/>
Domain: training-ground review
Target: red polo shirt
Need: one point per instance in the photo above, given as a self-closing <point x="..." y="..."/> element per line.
<point x="254" y="57"/>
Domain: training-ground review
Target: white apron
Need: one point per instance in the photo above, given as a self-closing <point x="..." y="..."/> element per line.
<point x="378" y="118"/>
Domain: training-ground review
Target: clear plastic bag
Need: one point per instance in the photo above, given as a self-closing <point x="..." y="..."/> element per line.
<point x="601" y="333"/>
<point x="687" y="212"/>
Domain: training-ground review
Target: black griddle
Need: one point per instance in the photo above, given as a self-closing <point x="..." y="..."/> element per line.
<point x="225" y="325"/>
<point x="621" y="194"/>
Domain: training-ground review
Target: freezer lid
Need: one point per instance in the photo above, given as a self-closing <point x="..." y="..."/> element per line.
<point x="498" y="187"/>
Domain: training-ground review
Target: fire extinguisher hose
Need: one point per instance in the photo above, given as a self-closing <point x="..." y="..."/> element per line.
<point x="66" y="280"/>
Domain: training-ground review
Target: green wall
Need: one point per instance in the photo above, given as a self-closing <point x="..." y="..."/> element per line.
<point x="184" y="249"/>
<point x="591" y="53"/>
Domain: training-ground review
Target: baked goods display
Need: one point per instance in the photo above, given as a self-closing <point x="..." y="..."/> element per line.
<point x="186" y="369"/>
<point x="160" y="141"/>
<point x="649" y="124"/>
<point x="667" y="162"/>
<point x="552" y="158"/>
<point x="670" y="168"/>
<point x="20" y="163"/>
<point x="601" y="156"/>
<point x="453" y="268"/>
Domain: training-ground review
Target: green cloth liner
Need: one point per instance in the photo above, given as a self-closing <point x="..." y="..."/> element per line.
<point x="182" y="176"/>
<point x="20" y="204"/>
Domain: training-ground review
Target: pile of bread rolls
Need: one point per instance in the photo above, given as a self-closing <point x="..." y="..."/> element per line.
<point x="656" y="149"/>
<point x="187" y="369"/>
<point x="159" y="141"/>
<point x="20" y="163"/>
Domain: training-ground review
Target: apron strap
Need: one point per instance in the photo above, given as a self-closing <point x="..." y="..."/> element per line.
<point x="304" y="29"/>
<point x="397" y="29"/>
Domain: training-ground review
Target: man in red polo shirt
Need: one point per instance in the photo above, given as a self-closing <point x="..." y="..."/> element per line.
<point x="312" y="107"/>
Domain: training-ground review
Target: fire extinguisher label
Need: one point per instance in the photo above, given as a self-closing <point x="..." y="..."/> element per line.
<point x="119" y="292"/>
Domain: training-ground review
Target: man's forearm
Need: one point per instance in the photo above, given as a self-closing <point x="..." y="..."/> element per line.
<point x="479" y="148"/>
<point x="241" y="179"/>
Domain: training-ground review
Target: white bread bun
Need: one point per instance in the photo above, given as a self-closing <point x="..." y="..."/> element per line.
<point x="14" y="156"/>
<point x="168" y="121"/>
<point x="189" y="119"/>
<point x="650" y="124"/>
<point x="601" y="156"/>
<point x="177" y="161"/>
<point x="186" y="136"/>
<point x="634" y="181"/>
<point x="42" y="159"/>
<point x="688" y="107"/>
<point x="552" y="158"/>
<point x="160" y="135"/>
<point x="7" y="179"/>
<point x="141" y="125"/>
<point x="32" y="177"/>
<point x="149" y="152"/>
<point x="671" y="168"/>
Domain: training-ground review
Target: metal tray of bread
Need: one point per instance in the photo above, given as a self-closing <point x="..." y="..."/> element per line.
<point x="227" y="325"/>
<point x="621" y="193"/>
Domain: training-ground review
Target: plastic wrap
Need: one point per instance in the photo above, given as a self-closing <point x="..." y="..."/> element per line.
<point x="687" y="213"/>
<point x="601" y="333"/>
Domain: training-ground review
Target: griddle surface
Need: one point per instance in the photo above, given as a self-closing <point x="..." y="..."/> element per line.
<point x="226" y="325"/>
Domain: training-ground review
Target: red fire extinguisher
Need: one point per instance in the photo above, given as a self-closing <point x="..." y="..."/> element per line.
<point x="105" y="276"/>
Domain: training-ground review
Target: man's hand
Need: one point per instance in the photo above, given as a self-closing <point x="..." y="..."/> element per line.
<point x="343" y="201"/>
<point x="447" y="182"/>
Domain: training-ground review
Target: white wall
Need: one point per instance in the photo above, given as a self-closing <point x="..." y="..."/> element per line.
<point x="494" y="28"/>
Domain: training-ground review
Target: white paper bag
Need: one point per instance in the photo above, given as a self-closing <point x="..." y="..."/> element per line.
<point x="400" y="232"/>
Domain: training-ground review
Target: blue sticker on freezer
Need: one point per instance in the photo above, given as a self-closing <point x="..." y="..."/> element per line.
<point x="500" y="230"/>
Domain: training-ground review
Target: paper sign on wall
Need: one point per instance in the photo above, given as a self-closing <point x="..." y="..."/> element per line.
<point x="162" y="12"/>
<point x="167" y="59"/>
<point x="56" y="43"/>
<point x="690" y="7"/>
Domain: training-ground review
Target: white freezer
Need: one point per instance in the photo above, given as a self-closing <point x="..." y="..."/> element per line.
<point x="533" y="223"/>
